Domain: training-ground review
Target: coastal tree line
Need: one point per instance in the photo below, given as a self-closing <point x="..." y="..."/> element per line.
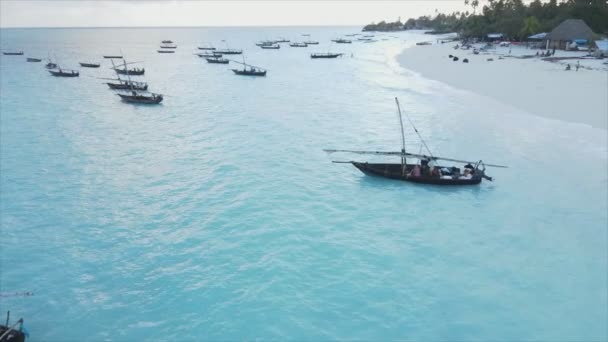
<point x="513" y="18"/>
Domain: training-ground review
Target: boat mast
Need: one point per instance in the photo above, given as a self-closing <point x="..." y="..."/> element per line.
<point x="403" y="161"/>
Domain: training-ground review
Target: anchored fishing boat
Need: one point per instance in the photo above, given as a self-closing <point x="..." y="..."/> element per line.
<point x="427" y="171"/>
<point x="208" y="55"/>
<point x="298" y="44"/>
<point x="12" y="332"/>
<point x="209" y="47"/>
<point x="125" y="84"/>
<point x="89" y="65"/>
<point x="113" y="57"/>
<point x="123" y="70"/>
<point x="34" y="60"/>
<point x="167" y="42"/>
<point x="13" y="53"/>
<point x="165" y="51"/>
<point x="324" y="55"/>
<point x="64" y="73"/>
<point x="141" y="98"/>
<point x="229" y="51"/>
<point x="217" y="60"/>
<point x="341" y="41"/>
<point x="271" y="47"/>
<point x="311" y="42"/>
<point x="265" y="43"/>
<point x="249" y="70"/>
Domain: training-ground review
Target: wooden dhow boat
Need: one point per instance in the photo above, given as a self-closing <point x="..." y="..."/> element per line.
<point x="341" y="41"/>
<point x="249" y="70"/>
<point x="298" y="44"/>
<point x="427" y="171"/>
<point x="64" y="72"/>
<point x="141" y="98"/>
<point x="89" y="65"/>
<point x="120" y="84"/>
<point x="208" y="55"/>
<point x="124" y="70"/>
<point x="324" y="55"/>
<point x="229" y="51"/>
<point x="271" y="47"/>
<point x="217" y="60"/>
<point x="12" y="332"/>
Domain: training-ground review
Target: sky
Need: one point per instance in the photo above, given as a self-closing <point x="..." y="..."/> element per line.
<point x="113" y="13"/>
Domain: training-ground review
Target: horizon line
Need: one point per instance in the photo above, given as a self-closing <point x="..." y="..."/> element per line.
<point x="185" y="26"/>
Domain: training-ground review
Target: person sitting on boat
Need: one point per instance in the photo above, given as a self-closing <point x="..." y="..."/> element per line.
<point x="467" y="174"/>
<point x="415" y="171"/>
<point x="435" y="172"/>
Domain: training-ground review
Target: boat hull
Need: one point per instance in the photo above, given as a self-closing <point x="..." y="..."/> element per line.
<point x="230" y="52"/>
<point x="394" y="171"/>
<point x="60" y="73"/>
<point x="89" y="65"/>
<point x="331" y="55"/>
<point x="13" y="53"/>
<point x="218" y="61"/>
<point x="122" y="86"/>
<point x="249" y="73"/>
<point x="141" y="99"/>
<point x="112" y="57"/>
<point x="137" y="72"/>
<point x="34" y="60"/>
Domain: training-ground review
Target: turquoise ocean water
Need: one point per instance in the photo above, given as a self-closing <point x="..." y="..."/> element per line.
<point x="217" y="215"/>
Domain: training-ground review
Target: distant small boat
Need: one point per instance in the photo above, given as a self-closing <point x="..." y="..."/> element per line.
<point x="112" y="56"/>
<point x="64" y="73"/>
<point x="423" y="43"/>
<point x="165" y="51"/>
<point x="271" y="47"/>
<point x="341" y="41"/>
<point x="168" y="46"/>
<point x="50" y="65"/>
<point x="218" y="60"/>
<point x="140" y="98"/>
<point x="208" y="55"/>
<point x="89" y="65"/>
<point x="249" y="70"/>
<point x="296" y="44"/>
<point x="127" y="85"/>
<point x="13" y="53"/>
<point x="229" y="51"/>
<point x="282" y="40"/>
<point x="325" y="55"/>
<point x="206" y="48"/>
<point x="167" y="42"/>
<point x="266" y="43"/>
<point x="132" y="72"/>
<point x="35" y="60"/>
<point x="311" y="42"/>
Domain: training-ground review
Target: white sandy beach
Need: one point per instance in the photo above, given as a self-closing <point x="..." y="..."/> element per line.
<point x="535" y="86"/>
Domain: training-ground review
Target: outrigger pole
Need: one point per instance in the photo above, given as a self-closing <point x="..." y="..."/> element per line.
<point x="411" y="155"/>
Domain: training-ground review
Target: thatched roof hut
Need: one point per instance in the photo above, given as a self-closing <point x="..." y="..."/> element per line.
<point x="568" y="31"/>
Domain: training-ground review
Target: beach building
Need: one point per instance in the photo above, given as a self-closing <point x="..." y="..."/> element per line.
<point x="568" y="32"/>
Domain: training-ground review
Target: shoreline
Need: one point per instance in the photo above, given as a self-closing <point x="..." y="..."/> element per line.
<point x="532" y="85"/>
